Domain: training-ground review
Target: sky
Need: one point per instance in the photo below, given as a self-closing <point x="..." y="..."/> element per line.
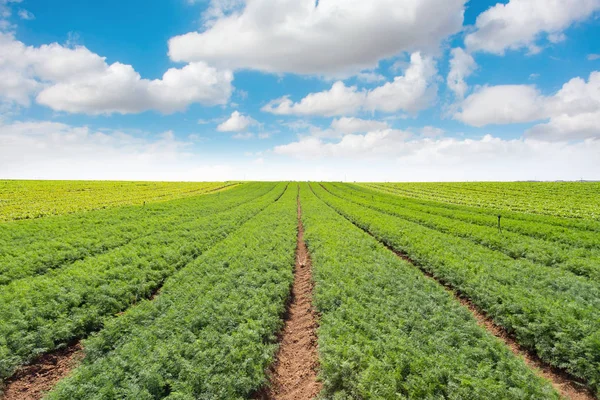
<point x="346" y="90"/>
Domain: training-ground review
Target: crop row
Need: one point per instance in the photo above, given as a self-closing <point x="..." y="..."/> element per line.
<point x="42" y="312"/>
<point x="34" y="247"/>
<point x="211" y="333"/>
<point x="549" y="310"/>
<point x="585" y="224"/>
<point x="386" y="331"/>
<point x="530" y="197"/>
<point x="579" y="261"/>
<point x="546" y="228"/>
<point x="35" y="199"/>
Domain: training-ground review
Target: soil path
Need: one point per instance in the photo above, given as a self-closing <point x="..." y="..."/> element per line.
<point x="294" y="375"/>
<point x="33" y="381"/>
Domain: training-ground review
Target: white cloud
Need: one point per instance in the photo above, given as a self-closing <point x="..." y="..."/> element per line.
<point x="236" y="123"/>
<point x="568" y="127"/>
<point x="243" y="136"/>
<point x="377" y="156"/>
<point x="78" y="81"/>
<point x="462" y="65"/>
<point x="412" y="92"/>
<point x="571" y="111"/>
<point x="337" y="38"/>
<point x="370" y="77"/>
<point x="504" y="104"/>
<point x="339" y="100"/>
<point x="521" y="23"/>
<point x="120" y="89"/>
<point x="50" y="150"/>
<point x="431" y="132"/>
<point x="26" y="15"/>
<point x="371" y="144"/>
<point x="593" y="57"/>
<point x="351" y="125"/>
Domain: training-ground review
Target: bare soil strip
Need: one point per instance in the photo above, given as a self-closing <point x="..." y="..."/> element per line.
<point x="32" y="382"/>
<point x="565" y="384"/>
<point x="294" y="374"/>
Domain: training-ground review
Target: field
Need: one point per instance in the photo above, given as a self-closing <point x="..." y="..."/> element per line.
<point x="283" y="290"/>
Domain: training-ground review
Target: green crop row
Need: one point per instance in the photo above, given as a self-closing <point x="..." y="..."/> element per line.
<point x="579" y="261"/>
<point x="550" y="311"/>
<point x="211" y="333"/>
<point x="529" y="197"/>
<point x="519" y="223"/>
<point x="587" y="223"/>
<point x="42" y="312"/>
<point x="35" y="199"/>
<point x="36" y="246"/>
<point x="388" y="332"/>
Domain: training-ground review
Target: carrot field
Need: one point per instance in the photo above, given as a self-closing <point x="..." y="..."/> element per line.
<point x="287" y="290"/>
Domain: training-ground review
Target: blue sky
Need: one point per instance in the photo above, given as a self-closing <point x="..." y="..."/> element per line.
<point x="391" y="90"/>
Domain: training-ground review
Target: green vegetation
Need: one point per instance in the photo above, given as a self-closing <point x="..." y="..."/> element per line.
<point x="550" y="311"/>
<point x="581" y="261"/>
<point x="35" y="199"/>
<point x="184" y="298"/>
<point x="42" y="312"/>
<point x="33" y="247"/>
<point x="388" y="332"/>
<point x="565" y="199"/>
<point x="210" y="334"/>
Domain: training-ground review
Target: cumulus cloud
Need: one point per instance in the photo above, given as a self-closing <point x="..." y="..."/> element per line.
<point x="571" y="111"/>
<point x="370" y="77"/>
<point x="462" y="65"/>
<point x="26" y="15"/>
<point x="431" y="132"/>
<point x="50" y="150"/>
<point x="336" y="38"/>
<point x="339" y="100"/>
<point x="349" y="125"/>
<point x="396" y="157"/>
<point x="503" y="104"/>
<point x="371" y="144"/>
<point x="77" y="80"/>
<point x="236" y="123"/>
<point x="411" y="92"/>
<point x="521" y="23"/>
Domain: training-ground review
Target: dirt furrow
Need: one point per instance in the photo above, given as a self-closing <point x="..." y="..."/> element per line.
<point x="294" y="374"/>
<point x="32" y="382"/>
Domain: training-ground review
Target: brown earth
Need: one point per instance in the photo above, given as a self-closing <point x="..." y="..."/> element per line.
<point x="294" y="374"/>
<point x="32" y="382"/>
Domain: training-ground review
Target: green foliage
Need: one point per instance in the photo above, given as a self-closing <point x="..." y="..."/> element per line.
<point x="527" y="197"/>
<point x="35" y="246"/>
<point x="36" y="199"/>
<point x="550" y="311"/>
<point x="42" y="312"/>
<point x="387" y="332"/>
<point x="581" y="261"/>
<point x="210" y="333"/>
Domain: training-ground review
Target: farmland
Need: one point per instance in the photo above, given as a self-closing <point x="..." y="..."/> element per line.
<point x="184" y="290"/>
<point x="35" y="199"/>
